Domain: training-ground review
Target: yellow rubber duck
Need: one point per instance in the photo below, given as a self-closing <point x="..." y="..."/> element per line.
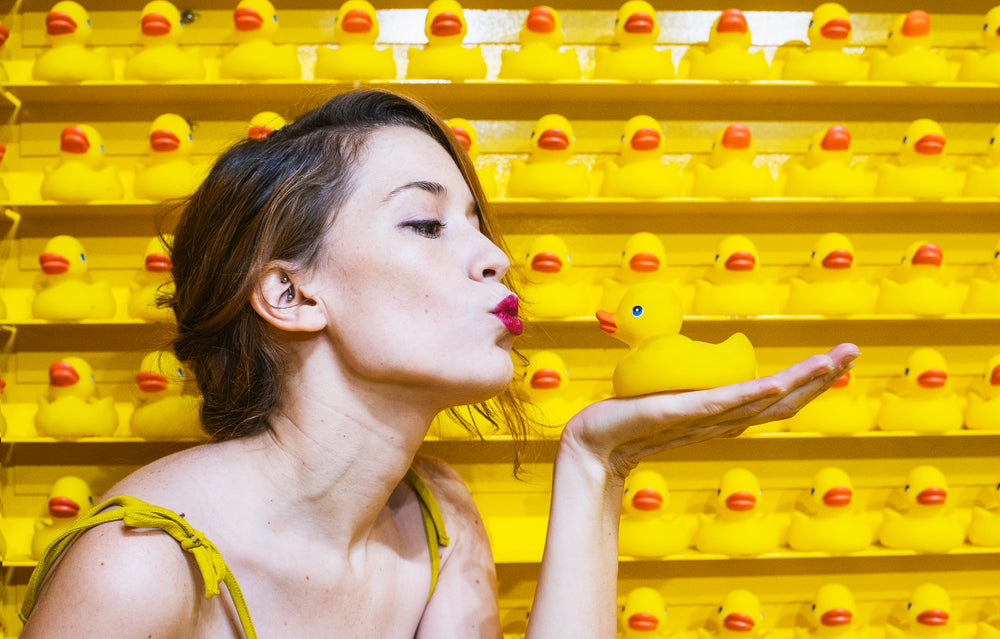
<point x="81" y="175"/>
<point x="256" y="57"/>
<point x="834" y="615"/>
<point x="549" y="172"/>
<point x="634" y="57"/>
<point x="65" y="289"/>
<point x="908" y="56"/>
<point x="926" y="521"/>
<point x="730" y="171"/>
<point x="825" y="60"/>
<point x="842" y="409"/>
<point x="986" y="630"/>
<point x="643" y="615"/>
<point x="264" y="124"/>
<point x="161" y="58"/>
<point x="355" y="57"/>
<point x="152" y="281"/>
<point x="734" y="284"/>
<point x="70" y="60"/>
<point x="727" y="55"/>
<point x="830" y="285"/>
<point x="467" y="135"/>
<point x="69" y="498"/>
<point x="644" y="259"/>
<point x="921" y="170"/>
<point x="639" y="171"/>
<point x="444" y="57"/>
<point x="659" y="358"/>
<point x="167" y="171"/>
<point x="71" y="407"/>
<point x="538" y="57"/>
<point x="738" y="526"/>
<point x="920" y="284"/>
<point x="929" y="615"/>
<point x="163" y="410"/>
<point x="982" y="179"/>
<point x="547" y="386"/>
<point x="647" y="529"/>
<point x="831" y="521"/>
<point x="984" y="67"/>
<point x="922" y="398"/>
<point x="984" y="528"/>
<point x="551" y="289"/>
<point x="827" y="170"/>
<point x="739" y="617"/>
<point x="982" y="410"/>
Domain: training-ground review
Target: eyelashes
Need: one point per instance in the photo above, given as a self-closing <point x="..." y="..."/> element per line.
<point x="426" y="228"/>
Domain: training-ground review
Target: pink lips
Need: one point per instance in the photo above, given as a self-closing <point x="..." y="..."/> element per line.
<point x="506" y="312"/>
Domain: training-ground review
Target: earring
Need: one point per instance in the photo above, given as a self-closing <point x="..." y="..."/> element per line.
<point x="284" y="279"/>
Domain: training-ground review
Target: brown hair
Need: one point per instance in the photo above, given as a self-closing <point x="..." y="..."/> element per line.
<point x="275" y="199"/>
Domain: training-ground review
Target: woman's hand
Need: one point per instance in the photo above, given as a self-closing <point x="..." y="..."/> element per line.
<point x="619" y="432"/>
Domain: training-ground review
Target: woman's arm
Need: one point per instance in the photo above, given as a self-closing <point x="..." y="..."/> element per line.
<point x="576" y="593"/>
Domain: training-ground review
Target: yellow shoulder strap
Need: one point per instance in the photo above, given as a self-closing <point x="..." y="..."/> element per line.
<point x="433" y="523"/>
<point x="136" y="513"/>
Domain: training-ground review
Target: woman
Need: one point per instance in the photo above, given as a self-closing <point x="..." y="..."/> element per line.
<point x="337" y="285"/>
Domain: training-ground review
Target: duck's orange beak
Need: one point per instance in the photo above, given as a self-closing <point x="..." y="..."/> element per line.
<point x="59" y="23"/>
<point x="932" y="496"/>
<point x="446" y="24"/>
<point x="553" y="140"/>
<point x="843" y="381"/>
<point x="644" y="263"/>
<point x="164" y="141"/>
<point x="995" y="376"/>
<point x="540" y="20"/>
<point x="732" y="21"/>
<point x="53" y="263"/>
<point x="63" y="508"/>
<point x="259" y="131"/>
<point x="4" y="34"/>
<point x="545" y="379"/>
<point x="62" y="374"/>
<point x="836" y="617"/>
<point x="917" y="23"/>
<point x="647" y="499"/>
<point x="838" y="260"/>
<point x="838" y="497"/>
<point x="836" y="138"/>
<point x="247" y="19"/>
<point x="933" y="378"/>
<point x="645" y="139"/>
<point x="606" y="322"/>
<point x="836" y="29"/>
<point x="929" y="254"/>
<point x="74" y="140"/>
<point x="463" y="137"/>
<point x="930" y="144"/>
<point x="741" y="261"/>
<point x="933" y="618"/>
<point x="150" y="382"/>
<point x="546" y="263"/>
<point x="736" y="136"/>
<point x="643" y="622"/>
<point x="357" y="21"/>
<point x="3" y="151"/>
<point x="154" y="24"/>
<point x="639" y="23"/>
<point x="158" y="263"/>
<point x="741" y="502"/>
<point x="738" y="622"/>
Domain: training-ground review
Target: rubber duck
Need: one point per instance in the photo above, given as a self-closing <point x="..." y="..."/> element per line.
<point x="538" y="57"/>
<point x="982" y="410"/>
<point x="469" y="139"/>
<point x="72" y="408"/>
<point x="730" y="171"/>
<point x="162" y="409"/>
<point x="984" y="528"/>
<point x="549" y="172"/>
<point x="921" y="398"/>
<point x="920" y="171"/>
<point x="634" y="57"/>
<point x="982" y="179"/>
<point x="644" y="259"/>
<point x="161" y="58"/>
<point x="264" y="124"/>
<point x="738" y="526"/>
<point x="831" y="521"/>
<point x="355" y="57"/>
<point x="444" y="57"/>
<point x="928" y="616"/>
<point x="648" y="319"/>
<point x="907" y="56"/>
<point x="69" y="498"/>
<point x="551" y="289"/>
<point x="920" y="284"/>
<point x="4" y="35"/>
<point x="834" y="615"/>
<point x="727" y="55"/>
<point x="65" y="289"/>
<point x="647" y="529"/>
<point x="984" y="288"/>
<point x="70" y="60"/>
<point x="825" y="60"/>
<point x="842" y="409"/>
<point x="984" y="67"/>
<point x="639" y="171"/>
<point x="925" y="522"/>
<point x="256" y="57"/>
<point x="643" y="614"/>
<point x="81" y="174"/>
<point x="152" y="281"/>
<point x="827" y="169"/>
<point x="739" y="617"/>
<point x="986" y="630"/>
<point x="830" y="285"/>
<point x="734" y="284"/>
<point x="547" y="386"/>
<point x="167" y="171"/>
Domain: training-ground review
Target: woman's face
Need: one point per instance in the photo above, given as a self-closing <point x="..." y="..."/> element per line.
<point x="409" y="283"/>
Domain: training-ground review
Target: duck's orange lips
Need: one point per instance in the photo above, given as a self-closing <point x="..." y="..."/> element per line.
<point x="842" y="381"/>
<point x="644" y="263"/>
<point x="738" y="622"/>
<point x="63" y="507"/>
<point x="62" y="374"/>
<point x="647" y="499"/>
<point x="59" y="23"/>
<point x="930" y="144"/>
<point x="836" y="138"/>
<point x="645" y="139"/>
<point x="836" y="29"/>
<point x="546" y="263"/>
<point x="553" y="140"/>
<point x="933" y="618"/>
<point x="357" y="21"/>
<point x="259" y="131"/>
<point x="53" y="263"/>
<point x="164" y="141"/>
<point x="741" y="502"/>
<point x="933" y="496"/>
<point x="540" y="20"/>
<point x="463" y="137"/>
<point x="639" y="23"/>
<point x="606" y="322"/>
<point x="158" y="263"/>
<point x="928" y="254"/>
<point x="741" y="261"/>
<point x="643" y="621"/>
<point x="836" y="617"/>
<point x="838" y="497"/>
<point x="247" y="19"/>
<point x="736" y="136"/>
<point x="151" y="382"/>
<point x="155" y="24"/>
<point x="545" y="379"/>
<point x="838" y="260"/>
<point x="933" y="378"/>
<point x="74" y="140"/>
<point x="995" y="376"/>
<point x="446" y="24"/>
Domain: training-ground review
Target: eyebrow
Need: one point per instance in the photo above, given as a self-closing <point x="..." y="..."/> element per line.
<point x="434" y="188"/>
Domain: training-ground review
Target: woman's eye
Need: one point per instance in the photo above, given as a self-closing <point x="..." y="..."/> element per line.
<point x="427" y="228"/>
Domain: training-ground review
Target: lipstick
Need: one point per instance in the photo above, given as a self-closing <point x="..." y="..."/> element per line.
<point x="506" y="312"/>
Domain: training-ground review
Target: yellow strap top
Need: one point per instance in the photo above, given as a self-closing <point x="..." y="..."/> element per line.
<point x="136" y="513"/>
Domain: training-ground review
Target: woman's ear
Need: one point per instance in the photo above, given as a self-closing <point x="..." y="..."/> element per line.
<point x="279" y="299"/>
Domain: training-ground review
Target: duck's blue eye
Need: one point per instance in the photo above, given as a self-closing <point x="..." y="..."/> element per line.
<point x="812" y="492"/>
<point x="716" y="257"/>
<point x="636" y="311"/>
<point x="623" y="137"/>
<point x="814" y="607"/>
<point x="180" y="372"/>
<point x="90" y="500"/>
<point x="992" y="140"/>
<point x="626" y="491"/>
<point x="996" y="255"/>
<point x="88" y="23"/>
<point x="102" y="148"/>
<point x="719" y="493"/>
<point x="190" y="138"/>
<point x="986" y="27"/>
<point x="811" y="23"/>
<point x="909" y="606"/>
<point x="720" y="610"/>
<point x="83" y="258"/>
<point x="907" y="372"/>
<point x="275" y="18"/>
<point x="905" y="139"/>
<point x="91" y="378"/>
<point x="907" y="489"/>
<point x="814" y="255"/>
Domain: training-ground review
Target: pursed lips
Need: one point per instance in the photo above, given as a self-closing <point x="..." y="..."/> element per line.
<point x="506" y="312"/>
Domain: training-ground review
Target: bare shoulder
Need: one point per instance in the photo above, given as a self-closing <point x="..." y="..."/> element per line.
<point x="449" y="489"/>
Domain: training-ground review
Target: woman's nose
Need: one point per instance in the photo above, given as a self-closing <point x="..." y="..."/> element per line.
<point x="492" y="262"/>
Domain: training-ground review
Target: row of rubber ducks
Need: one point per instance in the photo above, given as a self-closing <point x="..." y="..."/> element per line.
<point x="633" y="54"/>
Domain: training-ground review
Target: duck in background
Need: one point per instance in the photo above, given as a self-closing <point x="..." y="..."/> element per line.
<point x="984" y="529"/>
<point x="264" y="124"/>
<point x="827" y="169"/>
<point x="739" y="617"/>
<point x="659" y="358"/>
<point x="647" y="530"/>
<point x="982" y="179"/>
<point x="842" y="409"/>
<point x="921" y="284"/>
<point x="925" y="521"/>
<point x="921" y="399"/>
<point x="444" y="57"/>
<point x="908" y="56"/>
<point x="984" y="288"/>
<point x="549" y="172"/>
<point x="921" y="170"/>
<point x="644" y="259"/>
<point x="152" y="281"/>
<point x="162" y="409"/>
<point x="831" y="521"/>
<point x="643" y="615"/>
<point x="727" y="55"/>
<point x="82" y="173"/>
<point x="68" y="498"/>
<point x="639" y="171"/>
<point x="928" y="616"/>
<point x="834" y="615"/>
<point x="734" y="284"/>
<point x="547" y="386"/>
<point x="69" y="59"/>
<point x="984" y="67"/>
<point x="730" y="171"/>
<point x="634" y="57"/>
<point x="256" y="57"/>
<point x="830" y="285"/>
<point x="738" y="527"/>
<point x="825" y="60"/>
<point x="469" y="139"/>
<point x="551" y="289"/>
<point x="355" y="57"/>
<point x="71" y="406"/>
<point x="65" y="289"/>
<point x="982" y="411"/>
<point x="167" y="170"/>
<point x="161" y="58"/>
<point x="538" y="57"/>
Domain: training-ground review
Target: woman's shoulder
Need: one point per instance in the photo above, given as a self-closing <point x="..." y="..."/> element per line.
<point x="448" y="488"/>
